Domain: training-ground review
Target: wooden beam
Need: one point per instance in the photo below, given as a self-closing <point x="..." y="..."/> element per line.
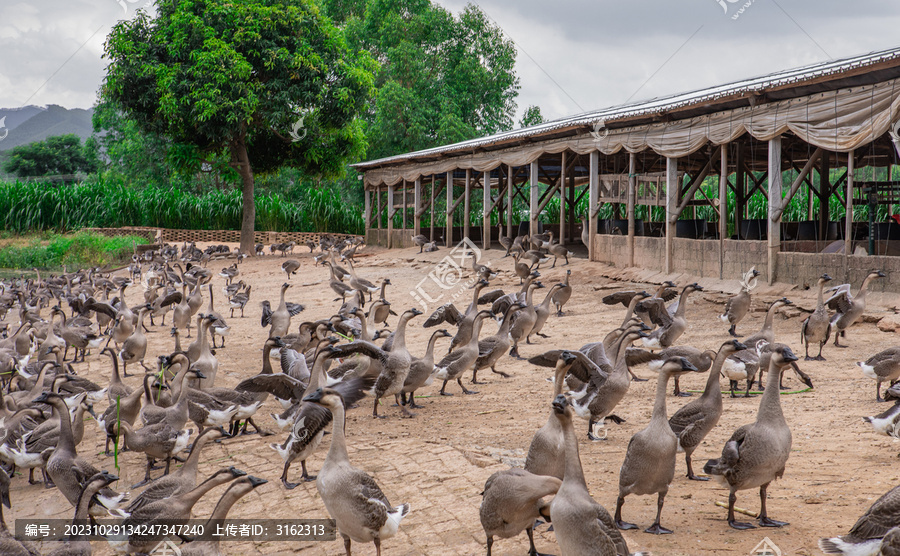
<point x="740" y="184"/>
<point x="390" y="215"/>
<point x="723" y="207"/>
<point x="367" y="213"/>
<point x="774" y="234"/>
<point x="593" y="195"/>
<point x="487" y="207"/>
<point x="417" y="205"/>
<point x="848" y="218"/>
<point x="451" y="208"/>
<point x="632" y="190"/>
<point x="695" y="183"/>
<point x="405" y="202"/>
<point x="431" y="210"/>
<point x="672" y="187"/>
<point x="534" y="208"/>
<point x="467" y="205"/>
<point x="799" y="181"/>
<point x="510" y="185"/>
<point x="562" y="198"/>
<point x="378" y="208"/>
<point x="824" y="195"/>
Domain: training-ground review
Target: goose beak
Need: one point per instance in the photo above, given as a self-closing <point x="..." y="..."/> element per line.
<point x="41" y="399"/>
<point x="738" y="346"/>
<point x="235" y="472"/>
<point x="789" y="356"/>
<point x="315" y="397"/>
<point x="686" y="365"/>
<point x="880" y="274"/>
<point x="567" y="357"/>
<point x="256" y="481"/>
<point x="559" y="404"/>
<point x="415" y="312"/>
<point x="198" y="374"/>
<point x="827" y="278"/>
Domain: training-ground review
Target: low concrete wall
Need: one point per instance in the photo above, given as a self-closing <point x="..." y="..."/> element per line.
<point x="700" y="258"/>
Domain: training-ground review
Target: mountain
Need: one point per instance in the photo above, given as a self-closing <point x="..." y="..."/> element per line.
<point x="33" y="123"/>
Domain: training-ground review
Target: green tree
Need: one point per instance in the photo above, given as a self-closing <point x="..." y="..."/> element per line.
<point x="266" y="83"/>
<point x="60" y="154"/>
<point x="532" y="116"/>
<point x="442" y="78"/>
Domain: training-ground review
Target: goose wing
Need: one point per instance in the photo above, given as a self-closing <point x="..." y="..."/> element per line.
<point x="294" y="308"/>
<point x="656" y="310"/>
<point x="638" y="356"/>
<point x="880" y="517"/>
<point x="361" y="346"/>
<point x="279" y="385"/>
<point x="445" y="313"/>
<point x="170" y="299"/>
<point x="490" y="296"/>
<point x="841" y="299"/>
<point x="294" y="364"/>
<point x="266" y="318"/>
<point x="616" y="298"/>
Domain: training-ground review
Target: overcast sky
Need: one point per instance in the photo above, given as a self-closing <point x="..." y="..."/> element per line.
<point x="573" y="56"/>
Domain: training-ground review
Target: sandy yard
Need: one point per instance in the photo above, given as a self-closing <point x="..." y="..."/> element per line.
<point x="439" y="461"/>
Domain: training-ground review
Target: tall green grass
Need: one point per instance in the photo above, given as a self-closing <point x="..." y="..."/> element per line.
<point x="34" y="206"/>
<point x="79" y="250"/>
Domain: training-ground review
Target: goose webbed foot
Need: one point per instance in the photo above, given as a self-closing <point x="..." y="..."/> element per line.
<point x="682" y="394"/>
<point x="741" y="525"/>
<point x="559" y="313"/>
<point x="287" y="485"/>
<point x="657" y="529"/>
<point x="542" y="335"/>
<point x="697" y="478"/>
<point x="615" y="419"/>
<point x="442" y="390"/>
<point x="732" y="331"/>
<point x="625" y="526"/>
<point x="464" y="389"/>
<point x="810" y="358"/>
<point x="768" y="522"/>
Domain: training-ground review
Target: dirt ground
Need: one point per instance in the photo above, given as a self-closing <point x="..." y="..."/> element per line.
<point x="439" y="461"/>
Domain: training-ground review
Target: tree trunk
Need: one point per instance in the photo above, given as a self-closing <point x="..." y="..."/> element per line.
<point x="241" y="161"/>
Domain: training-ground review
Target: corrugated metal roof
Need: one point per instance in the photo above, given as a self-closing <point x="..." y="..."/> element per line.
<point x="757" y="85"/>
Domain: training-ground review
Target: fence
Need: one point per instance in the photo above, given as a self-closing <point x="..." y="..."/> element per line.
<point x="167" y="235"/>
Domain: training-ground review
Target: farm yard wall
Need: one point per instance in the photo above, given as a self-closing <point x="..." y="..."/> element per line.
<point x="212" y="236"/>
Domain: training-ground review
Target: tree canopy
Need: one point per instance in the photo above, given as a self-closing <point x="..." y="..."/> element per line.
<point x="531" y="116"/>
<point x="268" y="83"/>
<point x="60" y="154"/>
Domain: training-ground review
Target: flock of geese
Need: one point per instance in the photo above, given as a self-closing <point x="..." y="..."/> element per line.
<point x="327" y="367"/>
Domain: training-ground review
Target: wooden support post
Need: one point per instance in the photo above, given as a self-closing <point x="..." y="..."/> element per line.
<point x="431" y="209"/>
<point x="487" y="207"/>
<point x="723" y="208"/>
<point x="417" y="203"/>
<point x="824" y="195"/>
<point x="367" y="213"/>
<point x="572" y="217"/>
<point x="405" y="203"/>
<point x="562" y="198"/>
<point x="800" y="178"/>
<point x="632" y="190"/>
<point x="848" y="218"/>
<point x="448" y="232"/>
<point x="510" y="184"/>
<point x="378" y="207"/>
<point x="739" y="181"/>
<point x="774" y="177"/>
<point x="533" y="211"/>
<point x="672" y="188"/>
<point x="593" y="196"/>
<point x="390" y="216"/>
<point x="467" y="204"/>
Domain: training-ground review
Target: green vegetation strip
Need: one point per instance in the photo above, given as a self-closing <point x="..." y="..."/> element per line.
<point x="783" y="392"/>
<point x="80" y="250"/>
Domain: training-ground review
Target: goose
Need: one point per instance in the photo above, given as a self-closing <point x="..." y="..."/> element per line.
<point x="233" y="288"/>
<point x="352" y="497"/>
<point x="86" y="498"/>
<point x="872" y="532"/>
<point x="394" y="364"/>
<point x="701" y="359"/>
<point x="546" y="454"/>
<point x="848" y="309"/>
<point x="217" y="326"/>
<point x="340" y="272"/>
<point x="693" y="421"/>
<point x="167" y="510"/>
<point x="181" y="315"/>
<point x="524" y="321"/>
<point x="80" y="338"/>
<point x="737" y="306"/>
<point x="421" y="371"/>
<point x="383" y="311"/>
<point x="236" y="490"/>
<point x="239" y="300"/>
<point x="160" y="306"/>
<point x="562" y="295"/>
<point x="492" y="348"/>
<point x="585" y="233"/>
<point x="65" y="468"/>
<point x="671" y="327"/>
<point x="361" y="284"/>
<point x="466" y="323"/>
<point x="817" y="327"/>
<point x="134" y="348"/>
<point x="463" y="358"/>
<point x="206" y="363"/>
<point x="884" y="366"/>
<point x="558" y="250"/>
<point x="420" y="240"/>
<point x="581" y="525"/>
<point x="888" y="421"/>
<point x="290" y="267"/>
<point x="9" y="545"/>
<point x="756" y="454"/>
<point x="649" y="465"/>
<point x="505" y="241"/>
<point x="125" y="318"/>
<point x="123" y="408"/>
<point x="511" y="501"/>
<point x="279" y="320"/>
<point x="542" y="312"/>
<point x="521" y="268"/>
<point x="229" y="273"/>
<point x="158" y="441"/>
<point x="666" y="291"/>
<point x="176" y="413"/>
<point x="431" y="246"/>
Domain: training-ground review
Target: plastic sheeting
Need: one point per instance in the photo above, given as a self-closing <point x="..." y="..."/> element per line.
<point x="837" y="121"/>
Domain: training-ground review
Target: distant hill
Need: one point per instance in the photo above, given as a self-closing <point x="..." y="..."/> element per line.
<point x="34" y="123"/>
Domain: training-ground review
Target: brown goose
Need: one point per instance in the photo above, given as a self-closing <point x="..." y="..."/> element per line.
<point x="421" y="371"/>
<point x="693" y="421"/>
<point x="511" y="501"/>
<point x="546" y="455"/>
<point x="86" y="498"/>
<point x="649" y="465"/>
<point x="701" y="359"/>
<point x="562" y="295"/>
<point x="848" y="309"/>
<point x="737" y="307"/>
<point x="671" y="327"/>
<point x="874" y="530"/>
<point x="542" y="312"/>
<point x="290" y="267"/>
<point x="492" y="348"/>
<point x="884" y="366"/>
<point x="756" y="454"/>
<point x="236" y="490"/>
<point x="524" y="320"/>
<point x="817" y="327"/>
<point x="457" y="362"/>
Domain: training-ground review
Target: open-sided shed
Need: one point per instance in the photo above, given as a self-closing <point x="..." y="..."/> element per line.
<point x="764" y="171"/>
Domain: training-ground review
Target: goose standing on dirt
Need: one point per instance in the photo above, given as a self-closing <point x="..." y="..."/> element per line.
<point x="737" y="307"/>
<point x="421" y="371"/>
<point x="524" y="320"/>
<point x="542" y="312"/>
<point x="420" y="240"/>
<point x="848" y="308"/>
<point x="86" y="498"/>
<point x="884" y="366"/>
<point x="511" y="501"/>
<point x="702" y="359"/>
<point x="582" y="526"/>
<point x="290" y="267"/>
<point x="865" y="537"/>
<point x="353" y="499"/>
<point x="693" y="421"/>
<point x="217" y="325"/>
<point x="671" y="327"/>
<point x="756" y="454"/>
<point x="280" y="318"/>
<point x="546" y="455"/>
<point x="649" y="465"/>
<point x="492" y="348"/>
<point x="817" y="327"/>
<point x="562" y="295"/>
<point x="463" y="358"/>
<point x="361" y="284"/>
